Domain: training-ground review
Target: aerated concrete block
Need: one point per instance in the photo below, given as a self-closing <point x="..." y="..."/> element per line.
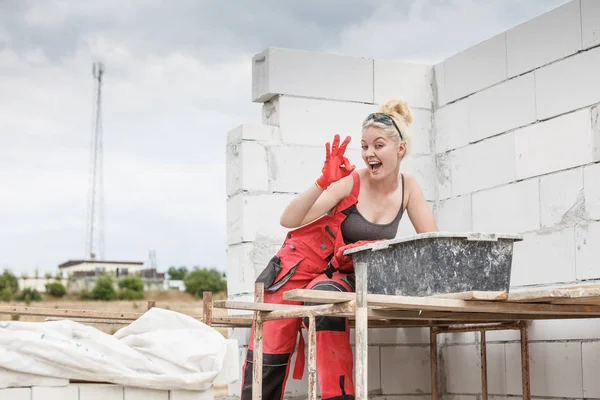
<point x="501" y="108"/>
<point x="541" y="148"/>
<point x="587" y="252"/>
<point x="509" y="208"/>
<point x="15" y="394"/>
<point x="549" y="37"/>
<point x="556" y="369"/>
<point x="405" y="370"/>
<point x="476" y="68"/>
<point x="483" y="165"/>
<point x="451" y="124"/>
<point x="591" y="183"/>
<point x="544" y="258"/>
<point x="562" y="199"/>
<point x="311" y="74"/>
<point x="575" y="79"/>
<point x="400" y="79"/>
<point x="590" y="20"/>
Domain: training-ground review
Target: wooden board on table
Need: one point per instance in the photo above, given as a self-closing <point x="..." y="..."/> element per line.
<point x="474" y="295"/>
<point x="566" y="295"/>
<point x="452" y="305"/>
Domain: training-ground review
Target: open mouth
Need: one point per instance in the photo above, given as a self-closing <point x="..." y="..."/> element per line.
<point x="374" y="165"/>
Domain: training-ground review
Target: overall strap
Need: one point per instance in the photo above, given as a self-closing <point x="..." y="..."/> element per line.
<point x="352" y="198"/>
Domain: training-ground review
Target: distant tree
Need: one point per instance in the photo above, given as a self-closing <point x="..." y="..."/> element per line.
<point x="28" y="295"/>
<point x="131" y="288"/>
<point x="48" y="275"/>
<point x="134" y="283"/>
<point x="177" y="274"/>
<point x="204" y="280"/>
<point x="56" y="289"/>
<point x="104" y="289"/>
<point x="9" y="285"/>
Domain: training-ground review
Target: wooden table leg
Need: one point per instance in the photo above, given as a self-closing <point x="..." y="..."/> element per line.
<point x="207" y="308"/>
<point x="525" y="361"/>
<point x="257" y="360"/>
<point x="312" y="358"/>
<point x="434" y="364"/>
<point x="361" y="328"/>
<point x="484" y="386"/>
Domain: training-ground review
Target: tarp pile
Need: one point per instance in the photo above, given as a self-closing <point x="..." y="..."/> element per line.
<point x="162" y="350"/>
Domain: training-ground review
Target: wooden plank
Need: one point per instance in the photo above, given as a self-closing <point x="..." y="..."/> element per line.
<point x="474" y="295"/>
<point x="91" y="320"/>
<point x="57" y="312"/>
<point x="207" y="308"/>
<point x="312" y="358"/>
<point x="346" y="308"/>
<point x="575" y="295"/>
<point x="250" y="306"/>
<point x="257" y="354"/>
<point x="466" y="317"/>
<point x="433" y="304"/>
<point x="361" y="332"/>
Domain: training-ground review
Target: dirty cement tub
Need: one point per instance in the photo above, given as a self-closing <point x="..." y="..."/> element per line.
<point x="437" y="263"/>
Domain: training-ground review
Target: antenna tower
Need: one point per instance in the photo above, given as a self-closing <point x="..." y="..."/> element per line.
<point x="94" y="246"/>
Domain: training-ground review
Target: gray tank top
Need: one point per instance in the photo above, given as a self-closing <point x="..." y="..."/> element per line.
<point x="356" y="227"/>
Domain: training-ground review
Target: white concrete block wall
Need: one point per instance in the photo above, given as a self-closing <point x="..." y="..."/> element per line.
<point x="92" y="391"/>
<point x="522" y="157"/>
<point x="506" y="139"/>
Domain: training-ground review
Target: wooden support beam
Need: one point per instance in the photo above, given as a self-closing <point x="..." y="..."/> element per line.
<point x="347" y="308"/>
<point x="525" y="362"/>
<point x="362" y="316"/>
<point x="207" y="308"/>
<point x="257" y="361"/>
<point x="484" y="382"/>
<point x="91" y="320"/>
<point x="57" y="312"/>
<point x="312" y="358"/>
<point x="433" y="359"/>
<point x="435" y="304"/>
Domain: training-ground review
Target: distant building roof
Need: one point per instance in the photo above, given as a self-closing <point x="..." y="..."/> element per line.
<point x="71" y="263"/>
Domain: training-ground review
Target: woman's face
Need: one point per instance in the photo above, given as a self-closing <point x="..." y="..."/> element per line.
<point x="380" y="153"/>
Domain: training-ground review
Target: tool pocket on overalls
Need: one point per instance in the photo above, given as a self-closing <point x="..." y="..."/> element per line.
<point x="279" y="270"/>
<point x="324" y="243"/>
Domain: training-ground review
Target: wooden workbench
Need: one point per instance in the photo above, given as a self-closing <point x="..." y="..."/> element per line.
<point x="448" y="313"/>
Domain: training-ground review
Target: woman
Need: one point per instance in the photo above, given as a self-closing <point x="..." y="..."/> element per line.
<point x="344" y="208"/>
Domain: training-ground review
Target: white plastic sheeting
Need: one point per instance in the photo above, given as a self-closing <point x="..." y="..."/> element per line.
<point x="160" y="350"/>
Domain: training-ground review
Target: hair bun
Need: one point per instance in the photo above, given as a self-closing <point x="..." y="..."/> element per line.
<point x="399" y="108"/>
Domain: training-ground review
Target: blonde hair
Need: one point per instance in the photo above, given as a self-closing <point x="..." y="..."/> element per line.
<point x="402" y="115"/>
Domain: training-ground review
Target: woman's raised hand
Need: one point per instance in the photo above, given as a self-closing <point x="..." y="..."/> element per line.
<point x="336" y="165"/>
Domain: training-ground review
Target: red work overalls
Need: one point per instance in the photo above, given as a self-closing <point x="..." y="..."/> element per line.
<point x="300" y="264"/>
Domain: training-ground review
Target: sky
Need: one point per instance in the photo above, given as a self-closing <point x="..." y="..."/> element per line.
<point x="177" y="79"/>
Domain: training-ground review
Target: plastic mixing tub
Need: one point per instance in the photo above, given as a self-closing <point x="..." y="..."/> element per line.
<point x="438" y="263"/>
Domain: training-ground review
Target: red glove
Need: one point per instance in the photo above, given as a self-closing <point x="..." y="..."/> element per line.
<point x="336" y="165"/>
<point x="339" y="254"/>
